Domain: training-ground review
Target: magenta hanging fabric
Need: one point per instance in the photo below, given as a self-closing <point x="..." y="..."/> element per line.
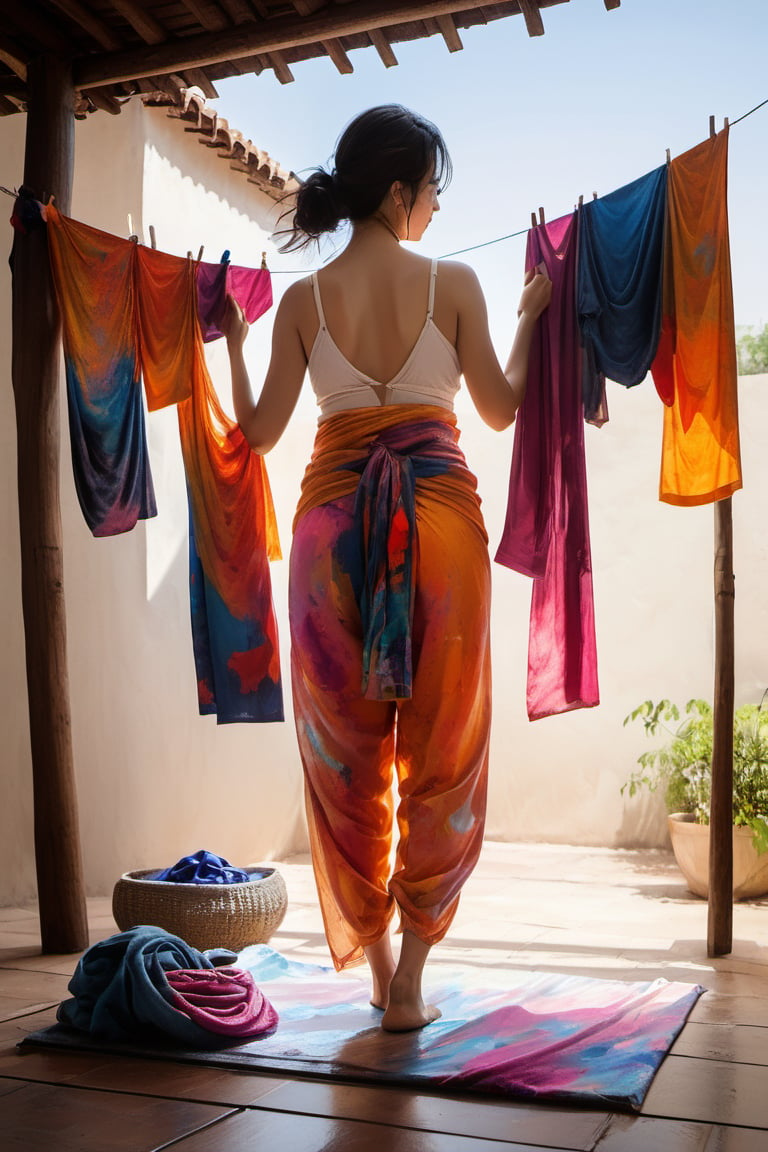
<point x="251" y="287"/>
<point x="546" y="532"/>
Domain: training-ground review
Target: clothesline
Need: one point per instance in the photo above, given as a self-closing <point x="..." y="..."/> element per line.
<point x="498" y="239"/>
<point x="445" y="255"/>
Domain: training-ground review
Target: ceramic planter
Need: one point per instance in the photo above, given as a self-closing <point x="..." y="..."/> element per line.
<point x="690" y="844"/>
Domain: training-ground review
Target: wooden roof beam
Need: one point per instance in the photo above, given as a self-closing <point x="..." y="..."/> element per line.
<point x="197" y="78"/>
<point x="307" y="7"/>
<point x="208" y="15"/>
<point x="449" y="33"/>
<point x="46" y="34"/>
<point x="338" y="55"/>
<point x="238" y="11"/>
<point x="251" y="39"/>
<point x="532" y="15"/>
<point x="14" y="87"/>
<point x="12" y="54"/>
<point x="145" y="24"/>
<point x="281" y="69"/>
<point x="383" y="47"/>
<point x="91" y="23"/>
<point x="103" y="100"/>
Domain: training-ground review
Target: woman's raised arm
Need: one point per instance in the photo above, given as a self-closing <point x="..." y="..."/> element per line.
<point x="264" y="421"/>
<point x="497" y="394"/>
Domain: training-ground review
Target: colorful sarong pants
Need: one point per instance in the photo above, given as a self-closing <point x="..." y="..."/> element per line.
<point x="432" y="743"/>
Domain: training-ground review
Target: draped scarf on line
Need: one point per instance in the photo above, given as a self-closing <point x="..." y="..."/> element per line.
<point x="131" y="310"/>
<point x="546" y="531"/>
<point x="619" y="276"/>
<point x="695" y="368"/>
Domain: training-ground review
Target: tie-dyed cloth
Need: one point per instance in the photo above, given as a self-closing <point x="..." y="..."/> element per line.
<point x="546" y="530"/>
<point x="390" y="663"/>
<point x="129" y="309"/>
<point x="619" y="277"/>
<point x="503" y="1032"/>
<point x="95" y="280"/>
<point x="148" y="984"/>
<point x="695" y="368"/>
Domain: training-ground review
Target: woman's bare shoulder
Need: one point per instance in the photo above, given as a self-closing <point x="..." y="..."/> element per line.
<point x="458" y="281"/>
<point x="296" y="302"/>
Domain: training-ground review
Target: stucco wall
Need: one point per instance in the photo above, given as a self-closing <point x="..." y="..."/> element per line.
<point x="156" y="780"/>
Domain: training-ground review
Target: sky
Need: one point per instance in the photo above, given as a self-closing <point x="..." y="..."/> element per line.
<point x="537" y="121"/>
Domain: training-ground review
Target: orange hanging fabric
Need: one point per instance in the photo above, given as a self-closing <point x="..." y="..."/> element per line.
<point x="695" y="367"/>
<point x="233" y="533"/>
<point x="166" y="326"/>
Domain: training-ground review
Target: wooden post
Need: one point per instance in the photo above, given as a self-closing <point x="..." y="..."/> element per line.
<point x="35" y="372"/>
<point x="720" y="912"/>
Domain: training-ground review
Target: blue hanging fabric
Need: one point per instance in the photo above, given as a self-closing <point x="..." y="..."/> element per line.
<point x="619" y="279"/>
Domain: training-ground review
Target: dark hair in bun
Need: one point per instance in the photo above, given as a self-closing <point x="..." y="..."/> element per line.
<point x="377" y="148"/>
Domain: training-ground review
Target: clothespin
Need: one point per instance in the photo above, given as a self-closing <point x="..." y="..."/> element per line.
<point x="541" y="216"/>
<point x="534" y="221"/>
<point x="152" y="236"/>
<point x="225" y="256"/>
<point x="669" y="158"/>
<point x="200" y="253"/>
<point x="581" y="202"/>
<point x="711" y="126"/>
<point x="189" y="254"/>
<point x="131" y="234"/>
<point x="725" y="122"/>
<point x="594" y="195"/>
<point x="264" y="262"/>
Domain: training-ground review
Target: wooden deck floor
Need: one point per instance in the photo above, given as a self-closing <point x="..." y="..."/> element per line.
<point x="613" y="914"/>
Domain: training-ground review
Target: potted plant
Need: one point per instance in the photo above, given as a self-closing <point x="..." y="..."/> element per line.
<point x="682" y="767"/>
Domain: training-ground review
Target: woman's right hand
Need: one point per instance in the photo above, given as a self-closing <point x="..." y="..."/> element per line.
<point x="537" y="294"/>
<point x="233" y="323"/>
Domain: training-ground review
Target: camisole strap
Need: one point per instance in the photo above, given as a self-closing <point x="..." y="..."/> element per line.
<point x="318" y="301"/>
<point x="432" y="279"/>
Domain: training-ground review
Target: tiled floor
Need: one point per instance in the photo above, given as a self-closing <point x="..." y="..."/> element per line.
<point x="613" y="914"/>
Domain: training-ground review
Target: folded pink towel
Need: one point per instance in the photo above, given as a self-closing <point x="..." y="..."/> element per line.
<point x="222" y="1000"/>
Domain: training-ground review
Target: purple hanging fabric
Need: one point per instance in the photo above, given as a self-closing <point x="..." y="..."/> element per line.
<point x="546" y="532"/>
<point x="251" y="287"/>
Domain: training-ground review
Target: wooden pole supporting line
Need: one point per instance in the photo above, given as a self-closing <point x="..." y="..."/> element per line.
<point x="720" y="911"/>
<point x="35" y="372"/>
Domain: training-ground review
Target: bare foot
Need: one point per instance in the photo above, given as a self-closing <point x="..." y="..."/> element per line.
<point x="406" y="1014"/>
<point x="382" y="965"/>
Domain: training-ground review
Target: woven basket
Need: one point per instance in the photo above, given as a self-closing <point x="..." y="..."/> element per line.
<point x="204" y="915"/>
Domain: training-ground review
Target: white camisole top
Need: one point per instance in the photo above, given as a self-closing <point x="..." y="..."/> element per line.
<point x="430" y="375"/>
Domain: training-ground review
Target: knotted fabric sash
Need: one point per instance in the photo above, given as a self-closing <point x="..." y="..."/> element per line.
<point x="388" y="458"/>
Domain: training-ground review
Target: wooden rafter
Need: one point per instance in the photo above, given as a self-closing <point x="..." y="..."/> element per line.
<point x="143" y="22"/>
<point x="281" y="69"/>
<point x="12" y="54"/>
<point x="338" y="55"/>
<point x="90" y="23"/>
<point x="101" y="99"/>
<point x="532" y="16"/>
<point x="449" y="33"/>
<point x="271" y="36"/>
<point x="44" y="33"/>
<point x="196" y="78"/>
<point x="209" y="15"/>
<point x="383" y="47"/>
<point x="239" y="11"/>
